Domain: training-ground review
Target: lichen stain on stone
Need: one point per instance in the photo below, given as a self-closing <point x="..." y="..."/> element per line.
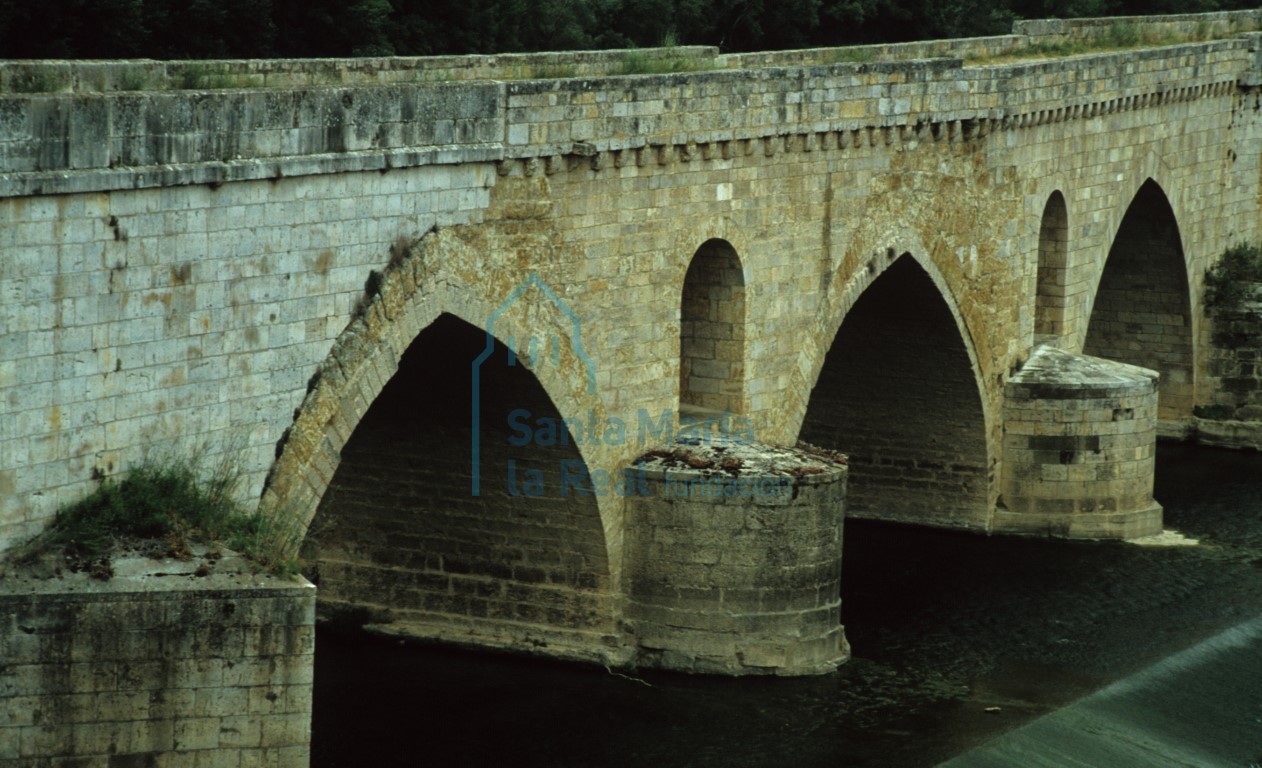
<point x="323" y="260"/>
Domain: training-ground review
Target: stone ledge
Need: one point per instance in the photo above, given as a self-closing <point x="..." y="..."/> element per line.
<point x="1226" y="433"/>
<point x="536" y="640"/>
<point x="63" y="182"/>
<point x="158" y="579"/>
<point x="1053" y="373"/>
<point x="1083" y="525"/>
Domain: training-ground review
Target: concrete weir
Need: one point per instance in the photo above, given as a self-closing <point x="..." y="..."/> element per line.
<point x="735" y="563"/>
<point x="1197" y="707"/>
<point x="1079" y="448"/>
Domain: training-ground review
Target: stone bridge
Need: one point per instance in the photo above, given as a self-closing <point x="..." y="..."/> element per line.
<point x="954" y="261"/>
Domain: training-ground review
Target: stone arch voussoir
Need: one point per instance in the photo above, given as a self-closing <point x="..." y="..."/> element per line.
<point x="411" y="296"/>
<point x="834" y="313"/>
<point x="1142" y="309"/>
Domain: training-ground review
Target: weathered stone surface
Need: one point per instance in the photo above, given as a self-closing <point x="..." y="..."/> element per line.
<point x="399" y="542"/>
<point x="157" y="666"/>
<point x="235" y="260"/>
<point x="188" y="292"/>
<point x="1079" y="446"/>
<point x="734" y="560"/>
<point x="1234" y="370"/>
<point x="179" y="262"/>
<point x="1229" y="433"/>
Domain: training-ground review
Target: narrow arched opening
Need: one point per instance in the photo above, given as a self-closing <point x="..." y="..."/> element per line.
<point x="1142" y="312"/>
<point x="898" y="394"/>
<point x="1051" y="293"/>
<point x="712" y="331"/>
<point x="399" y="539"/>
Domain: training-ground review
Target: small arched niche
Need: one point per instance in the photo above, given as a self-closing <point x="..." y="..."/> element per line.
<point x="712" y="331"/>
<point x="1051" y="294"/>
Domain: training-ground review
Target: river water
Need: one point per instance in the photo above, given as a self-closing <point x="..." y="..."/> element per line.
<point x="956" y="639"/>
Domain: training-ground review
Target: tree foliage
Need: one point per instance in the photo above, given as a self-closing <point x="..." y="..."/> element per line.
<point x="182" y="29"/>
<point x="1234" y="279"/>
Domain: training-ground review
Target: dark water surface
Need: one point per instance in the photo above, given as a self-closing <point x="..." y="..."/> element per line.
<point x="944" y="626"/>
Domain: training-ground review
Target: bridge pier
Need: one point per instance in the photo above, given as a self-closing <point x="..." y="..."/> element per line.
<point x="734" y="561"/>
<point x="162" y="664"/>
<point x="1079" y="449"/>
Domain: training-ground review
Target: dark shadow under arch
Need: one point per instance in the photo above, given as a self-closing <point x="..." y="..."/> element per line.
<point x="1142" y="312"/>
<point x="397" y="537"/>
<point x="897" y="392"/>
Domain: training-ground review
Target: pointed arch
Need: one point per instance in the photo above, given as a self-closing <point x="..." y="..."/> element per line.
<point x="1051" y="300"/>
<point x="899" y="392"/>
<point x="399" y="537"/>
<point x="712" y="330"/>
<point x="362" y="359"/>
<point x="1142" y="312"/>
<point x="365" y="361"/>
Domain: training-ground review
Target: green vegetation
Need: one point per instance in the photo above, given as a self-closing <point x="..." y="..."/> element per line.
<point x="1116" y="37"/>
<point x="849" y="55"/>
<point x="557" y="71"/>
<point x="1233" y="280"/>
<point x="39" y="80"/>
<point x="208" y="29"/>
<point x="159" y="508"/>
<point x="134" y="80"/>
<point x="201" y="77"/>
<point x="1218" y="412"/>
<point x="674" y="60"/>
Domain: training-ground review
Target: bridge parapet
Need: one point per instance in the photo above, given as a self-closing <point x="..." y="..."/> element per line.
<point x="106" y="125"/>
<point x="146" y="75"/>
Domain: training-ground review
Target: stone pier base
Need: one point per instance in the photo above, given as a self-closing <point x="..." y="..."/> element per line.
<point x="1079" y="449"/>
<point x="157" y="666"/>
<point x="734" y="561"/>
<point x="1227" y="433"/>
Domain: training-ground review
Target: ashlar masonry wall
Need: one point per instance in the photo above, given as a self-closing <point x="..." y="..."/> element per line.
<point x="156" y="667"/>
<point x="1080" y="445"/>
<point x="189" y="317"/>
<point x="736" y="561"/>
<point x="179" y="263"/>
<point x="1233" y="417"/>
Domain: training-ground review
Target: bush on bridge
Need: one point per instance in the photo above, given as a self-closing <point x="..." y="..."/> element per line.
<point x="159" y="508"/>
<point x="1235" y="278"/>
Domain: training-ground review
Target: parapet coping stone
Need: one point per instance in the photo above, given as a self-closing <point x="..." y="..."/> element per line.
<point x="1054" y="373"/>
<point x="227" y="576"/>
